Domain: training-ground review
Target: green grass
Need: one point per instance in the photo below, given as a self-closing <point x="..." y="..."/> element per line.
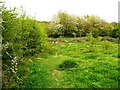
<point x="97" y="69"/>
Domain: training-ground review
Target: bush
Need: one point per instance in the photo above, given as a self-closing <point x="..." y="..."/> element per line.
<point x="21" y="36"/>
<point x="67" y="64"/>
<point x="116" y="33"/>
<point x="91" y="42"/>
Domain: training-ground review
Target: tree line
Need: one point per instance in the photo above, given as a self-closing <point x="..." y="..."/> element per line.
<point x="67" y="25"/>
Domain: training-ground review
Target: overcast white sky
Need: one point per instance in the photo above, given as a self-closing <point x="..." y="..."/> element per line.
<point x="45" y="9"/>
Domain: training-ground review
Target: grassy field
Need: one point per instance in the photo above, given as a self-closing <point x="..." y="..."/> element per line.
<point x="91" y="69"/>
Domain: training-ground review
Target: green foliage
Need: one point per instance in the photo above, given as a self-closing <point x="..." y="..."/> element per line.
<point x="91" y="42"/>
<point x="71" y="26"/>
<point x="106" y="45"/>
<point x="67" y="64"/>
<point x="116" y="33"/>
<point x="24" y="37"/>
<point x="63" y="26"/>
<point x="21" y="36"/>
<point x="24" y="34"/>
<point x="33" y="36"/>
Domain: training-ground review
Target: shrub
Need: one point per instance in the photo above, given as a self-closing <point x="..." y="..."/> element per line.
<point x="91" y="42"/>
<point x="67" y="64"/>
<point x="21" y="36"/>
<point x="116" y="33"/>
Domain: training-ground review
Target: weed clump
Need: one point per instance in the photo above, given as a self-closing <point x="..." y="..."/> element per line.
<point x="67" y="64"/>
<point x="91" y="44"/>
